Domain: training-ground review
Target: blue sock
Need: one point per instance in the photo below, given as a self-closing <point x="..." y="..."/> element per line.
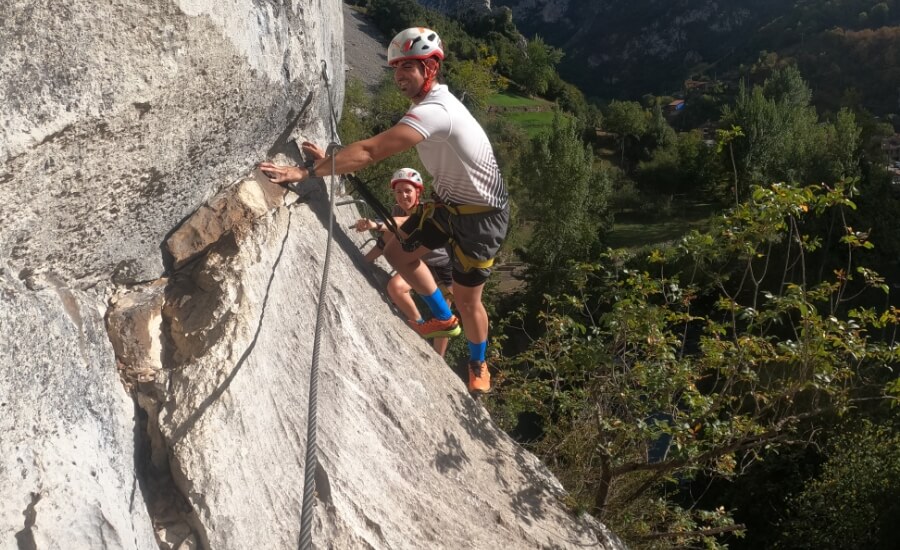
<point x="438" y="305"/>
<point x="476" y="351"/>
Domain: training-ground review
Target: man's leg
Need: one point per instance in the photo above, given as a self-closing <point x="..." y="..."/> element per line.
<point x="474" y="316"/>
<point x="475" y="323"/>
<point x="477" y="239"/>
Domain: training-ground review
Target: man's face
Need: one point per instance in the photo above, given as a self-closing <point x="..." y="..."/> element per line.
<point x="410" y="77"/>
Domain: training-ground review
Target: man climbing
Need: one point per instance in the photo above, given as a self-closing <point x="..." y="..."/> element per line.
<point x="408" y="187"/>
<point x="471" y="208"/>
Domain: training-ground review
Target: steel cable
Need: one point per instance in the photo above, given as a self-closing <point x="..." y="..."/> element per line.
<point x="309" y="477"/>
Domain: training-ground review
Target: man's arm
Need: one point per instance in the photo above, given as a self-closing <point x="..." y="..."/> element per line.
<point x="351" y="158"/>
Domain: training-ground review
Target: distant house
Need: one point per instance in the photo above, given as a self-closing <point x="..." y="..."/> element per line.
<point x="891" y="147"/>
<point x="698" y="86"/>
<point x="675" y="106"/>
<point x="895" y="175"/>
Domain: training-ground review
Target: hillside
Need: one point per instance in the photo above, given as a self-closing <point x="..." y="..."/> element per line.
<point x="652" y="46"/>
<point x="632" y="48"/>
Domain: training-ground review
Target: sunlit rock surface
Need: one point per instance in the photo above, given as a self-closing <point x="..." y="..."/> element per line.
<point x="158" y="302"/>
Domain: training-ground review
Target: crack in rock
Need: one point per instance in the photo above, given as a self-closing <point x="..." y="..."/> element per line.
<point x="158" y="326"/>
<point x="25" y="537"/>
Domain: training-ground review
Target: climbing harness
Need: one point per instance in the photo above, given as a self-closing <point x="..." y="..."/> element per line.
<point x="426" y="211"/>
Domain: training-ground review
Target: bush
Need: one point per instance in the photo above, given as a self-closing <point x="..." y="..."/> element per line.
<point x="855" y="501"/>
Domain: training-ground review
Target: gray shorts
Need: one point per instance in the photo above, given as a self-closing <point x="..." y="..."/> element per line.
<point x="442" y="274"/>
<point x="478" y="236"/>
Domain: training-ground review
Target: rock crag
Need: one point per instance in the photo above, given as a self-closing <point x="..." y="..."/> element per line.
<point x="158" y="298"/>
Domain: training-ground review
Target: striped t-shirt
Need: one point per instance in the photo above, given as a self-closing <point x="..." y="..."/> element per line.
<point x="456" y="151"/>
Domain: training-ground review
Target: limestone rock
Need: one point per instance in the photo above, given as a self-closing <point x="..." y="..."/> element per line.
<point x="134" y="325"/>
<point x="118" y="120"/>
<point x="229" y="213"/>
<point x="67" y="472"/>
<point x="158" y="299"/>
<point x="153" y="108"/>
<point x="407" y="458"/>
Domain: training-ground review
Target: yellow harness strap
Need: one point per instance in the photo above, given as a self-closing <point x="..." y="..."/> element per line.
<point x="463" y="209"/>
<point x="468" y="263"/>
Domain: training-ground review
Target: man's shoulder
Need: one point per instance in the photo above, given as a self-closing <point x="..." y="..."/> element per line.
<point x="440" y="95"/>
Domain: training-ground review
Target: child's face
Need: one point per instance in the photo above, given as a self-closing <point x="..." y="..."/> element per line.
<point x="406" y="196"/>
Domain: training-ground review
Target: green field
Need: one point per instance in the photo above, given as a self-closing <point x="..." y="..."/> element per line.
<point x="515" y="100"/>
<point x="634" y="230"/>
<point x="532" y="114"/>
<point x="532" y="123"/>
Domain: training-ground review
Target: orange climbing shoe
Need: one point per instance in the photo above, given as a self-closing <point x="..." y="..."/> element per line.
<point x="479" y="377"/>
<point x="435" y="328"/>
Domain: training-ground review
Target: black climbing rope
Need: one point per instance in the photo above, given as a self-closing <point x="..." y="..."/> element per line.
<point x="361" y="189"/>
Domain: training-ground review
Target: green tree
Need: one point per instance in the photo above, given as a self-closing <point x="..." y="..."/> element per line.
<point x="506" y="50"/>
<point x="510" y="142"/>
<point x="535" y="66"/>
<point x="566" y="200"/>
<point x="786" y="86"/>
<point x="879" y="13"/>
<point x="782" y="140"/>
<point x="855" y="501"/>
<point x="628" y="119"/>
<point x="658" y="129"/>
<point x="392" y="16"/>
<point x="651" y="371"/>
<point x="357" y="107"/>
<point x="571" y="100"/>
<point x="843" y="143"/>
<point x="687" y="165"/>
<point x="473" y="82"/>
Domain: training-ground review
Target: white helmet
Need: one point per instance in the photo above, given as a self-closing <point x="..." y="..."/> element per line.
<point x="415" y="43"/>
<point x="407" y="175"/>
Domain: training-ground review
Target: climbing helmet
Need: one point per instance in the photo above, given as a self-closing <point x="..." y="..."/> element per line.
<point x="408" y="175"/>
<point x="415" y="43"/>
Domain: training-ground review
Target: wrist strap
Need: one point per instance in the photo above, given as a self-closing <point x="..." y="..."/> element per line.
<point x="310" y="166"/>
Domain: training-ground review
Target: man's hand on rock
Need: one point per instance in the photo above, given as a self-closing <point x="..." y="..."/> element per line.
<point x="313" y="150"/>
<point x="283" y="175"/>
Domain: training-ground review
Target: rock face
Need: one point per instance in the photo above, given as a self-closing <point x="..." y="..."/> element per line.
<point x="158" y="302"/>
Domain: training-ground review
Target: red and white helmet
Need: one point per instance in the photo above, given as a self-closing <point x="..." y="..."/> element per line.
<point x="415" y="43"/>
<point x="410" y="176"/>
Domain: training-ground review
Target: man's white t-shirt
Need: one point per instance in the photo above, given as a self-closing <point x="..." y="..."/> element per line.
<point x="456" y="151"/>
